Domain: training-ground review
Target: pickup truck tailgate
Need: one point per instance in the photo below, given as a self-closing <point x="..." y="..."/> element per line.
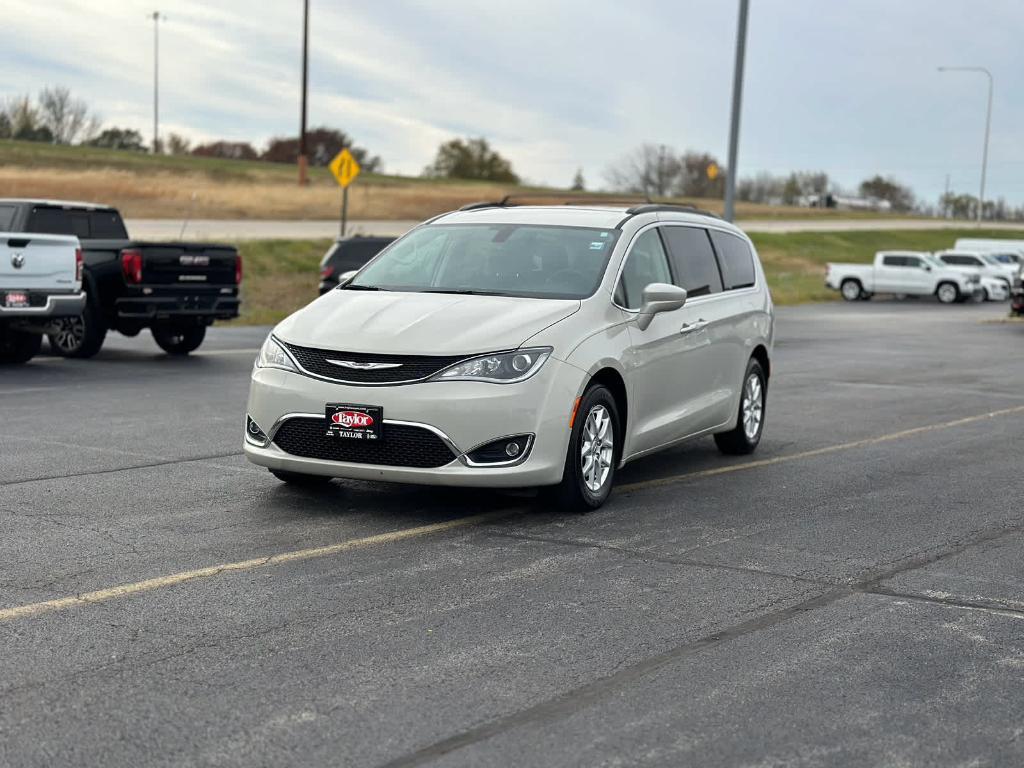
<point x="30" y="261"/>
<point x="192" y="264"/>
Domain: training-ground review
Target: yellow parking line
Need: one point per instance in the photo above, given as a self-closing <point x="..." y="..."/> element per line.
<point x="819" y="451"/>
<point x="124" y="590"/>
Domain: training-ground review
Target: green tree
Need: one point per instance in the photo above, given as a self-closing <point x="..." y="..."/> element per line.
<point x="578" y="183"/>
<point x="900" y="197"/>
<point x="470" y="159"/>
<point x="118" y="138"/>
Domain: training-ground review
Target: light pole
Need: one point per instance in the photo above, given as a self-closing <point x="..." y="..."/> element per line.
<point x="156" y="80"/>
<point x="737" y="98"/>
<point x="303" y="158"/>
<point x="988" y="125"/>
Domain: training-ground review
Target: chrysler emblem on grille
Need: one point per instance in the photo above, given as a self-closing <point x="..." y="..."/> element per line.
<point x="358" y="366"/>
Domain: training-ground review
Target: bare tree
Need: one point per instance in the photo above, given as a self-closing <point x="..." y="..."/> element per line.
<point x="651" y="169"/>
<point x="178" y="144"/>
<point x="696" y="177"/>
<point x="67" y="118"/>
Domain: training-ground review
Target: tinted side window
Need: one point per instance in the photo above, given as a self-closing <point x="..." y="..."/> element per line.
<point x="894" y="261"/>
<point x="913" y="261"/>
<point x="50" y="221"/>
<point x="646" y="263"/>
<point x="7" y="217"/>
<point x="736" y="259"/>
<point x="693" y="260"/>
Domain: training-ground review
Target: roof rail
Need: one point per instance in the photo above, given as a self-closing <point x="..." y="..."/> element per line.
<point x="670" y="207"/>
<point x="529" y="199"/>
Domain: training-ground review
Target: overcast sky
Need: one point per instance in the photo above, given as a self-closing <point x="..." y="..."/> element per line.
<point x="849" y="87"/>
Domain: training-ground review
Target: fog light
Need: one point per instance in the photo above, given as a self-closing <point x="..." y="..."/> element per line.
<point x="253" y="433"/>
<point x="504" y="450"/>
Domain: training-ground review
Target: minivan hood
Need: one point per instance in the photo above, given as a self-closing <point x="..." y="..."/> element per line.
<point x="397" y="323"/>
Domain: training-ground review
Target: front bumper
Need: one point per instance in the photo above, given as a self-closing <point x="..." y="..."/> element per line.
<point x="464" y="414"/>
<point x="56" y="305"/>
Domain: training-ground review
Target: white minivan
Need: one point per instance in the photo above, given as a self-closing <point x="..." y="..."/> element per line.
<point x="502" y="346"/>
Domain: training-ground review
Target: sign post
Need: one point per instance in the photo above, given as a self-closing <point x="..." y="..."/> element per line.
<point x="344" y="168"/>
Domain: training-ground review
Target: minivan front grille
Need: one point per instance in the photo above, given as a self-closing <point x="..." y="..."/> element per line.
<point x="330" y="364"/>
<point x="401" y="445"/>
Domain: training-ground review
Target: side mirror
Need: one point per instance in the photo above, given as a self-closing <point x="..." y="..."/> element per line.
<point x="345" y="277"/>
<point x="927" y="267"/>
<point x="659" y="297"/>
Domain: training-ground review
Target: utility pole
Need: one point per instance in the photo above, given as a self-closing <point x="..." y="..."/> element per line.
<point x="988" y="127"/>
<point x="303" y="157"/>
<point x="945" y="200"/>
<point x="737" y="98"/>
<point x="156" y="80"/>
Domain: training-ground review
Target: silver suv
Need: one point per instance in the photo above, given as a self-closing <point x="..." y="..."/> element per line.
<point x="521" y="346"/>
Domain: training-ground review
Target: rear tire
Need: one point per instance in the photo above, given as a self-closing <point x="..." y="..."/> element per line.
<point x="17" y="347"/>
<point x="746" y="435"/>
<point x="594" y="450"/>
<point x="947" y="293"/>
<point x="851" y="289"/>
<point x="80" y="336"/>
<point x="178" y="340"/>
<point x="298" y="478"/>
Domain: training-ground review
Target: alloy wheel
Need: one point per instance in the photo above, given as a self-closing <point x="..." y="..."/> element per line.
<point x="68" y="334"/>
<point x="597" y="449"/>
<point x="753" y="406"/>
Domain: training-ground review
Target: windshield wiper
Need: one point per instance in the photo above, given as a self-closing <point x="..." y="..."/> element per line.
<point x="463" y="291"/>
<point x="351" y="287"/>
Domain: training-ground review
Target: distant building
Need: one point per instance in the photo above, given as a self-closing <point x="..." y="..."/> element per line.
<point x="845" y="202"/>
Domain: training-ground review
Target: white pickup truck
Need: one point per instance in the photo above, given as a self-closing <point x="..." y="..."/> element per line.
<point x="40" y="281"/>
<point x="911" y="273"/>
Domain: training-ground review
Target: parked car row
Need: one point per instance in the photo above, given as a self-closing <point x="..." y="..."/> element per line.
<point x="974" y="269"/>
<point x="175" y="289"/>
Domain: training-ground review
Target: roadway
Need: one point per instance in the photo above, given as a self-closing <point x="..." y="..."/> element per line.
<point x="851" y="595"/>
<point x="265" y="229"/>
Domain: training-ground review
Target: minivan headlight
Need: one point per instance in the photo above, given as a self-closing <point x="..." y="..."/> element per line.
<point x="272" y="355"/>
<point x="499" y="368"/>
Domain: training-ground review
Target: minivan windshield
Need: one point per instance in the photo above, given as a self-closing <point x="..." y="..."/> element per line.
<point x="534" y="261"/>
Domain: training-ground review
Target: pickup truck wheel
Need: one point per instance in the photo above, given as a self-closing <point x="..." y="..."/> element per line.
<point x="851" y="290"/>
<point x="18" y="347"/>
<point x="80" y="336"/>
<point x="298" y="478"/>
<point x="178" y="341"/>
<point x="947" y="293"/>
<point x="744" y="437"/>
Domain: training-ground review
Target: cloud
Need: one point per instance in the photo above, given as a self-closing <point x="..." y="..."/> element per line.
<point x="850" y="88"/>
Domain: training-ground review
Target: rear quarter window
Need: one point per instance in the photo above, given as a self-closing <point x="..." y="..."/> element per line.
<point x="7" y="217"/>
<point x="735" y="259"/>
<point x="106" y="225"/>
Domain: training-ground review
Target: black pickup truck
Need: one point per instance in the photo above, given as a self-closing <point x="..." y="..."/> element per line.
<point x="174" y="289"/>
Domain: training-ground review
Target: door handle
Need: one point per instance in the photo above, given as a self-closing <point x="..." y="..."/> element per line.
<point x="700" y="325"/>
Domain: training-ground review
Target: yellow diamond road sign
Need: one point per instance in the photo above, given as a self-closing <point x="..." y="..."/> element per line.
<point x="344" y="167"/>
<point x="713" y="171"/>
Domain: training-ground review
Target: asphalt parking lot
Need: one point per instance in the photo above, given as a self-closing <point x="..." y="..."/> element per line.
<point x="851" y="595"/>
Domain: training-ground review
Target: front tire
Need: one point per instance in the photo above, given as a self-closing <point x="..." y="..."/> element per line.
<point x="178" y="340"/>
<point x="594" y="449"/>
<point x="746" y="435"/>
<point x="80" y="336"/>
<point x="17" y="347"/>
<point x="298" y="478"/>
<point x="947" y="293"/>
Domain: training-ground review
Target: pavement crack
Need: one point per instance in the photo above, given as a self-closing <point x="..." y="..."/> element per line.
<point x="979" y="604"/>
<point x="114" y="470"/>
<point x="639" y="554"/>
